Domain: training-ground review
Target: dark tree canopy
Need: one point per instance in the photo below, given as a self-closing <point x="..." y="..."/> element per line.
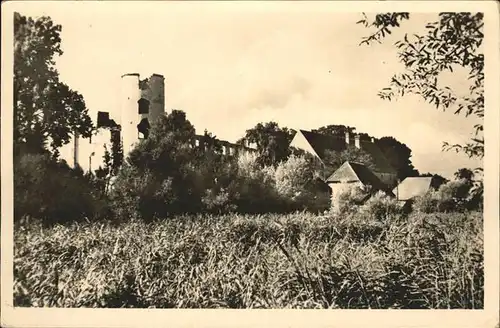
<point x="272" y="142"/>
<point x="454" y="40"/>
<point x="438" y="179"/>
<point x="334" y="159"/>
<point x="335" y="130"/>
<point x="399" y="156"/>
<point x="46" y="111"/>
<point x="167" y="146"/>
<point x="464" y="173"/>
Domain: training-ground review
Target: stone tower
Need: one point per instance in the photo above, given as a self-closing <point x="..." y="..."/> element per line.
<point x="142" y="102"/>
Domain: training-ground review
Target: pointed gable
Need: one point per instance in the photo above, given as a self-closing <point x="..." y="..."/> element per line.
<point x="321" y="143"/>
<point x="351" y="172"/>
<point x="344" y="174"/>
<point x="300" y="141"/>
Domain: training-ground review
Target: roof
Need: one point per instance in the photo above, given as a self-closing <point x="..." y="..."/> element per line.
<point x="321" y="143"/>
<point x="412" y="187"/>
<point x="356" y="172"/>
<point x="382" y="165"/>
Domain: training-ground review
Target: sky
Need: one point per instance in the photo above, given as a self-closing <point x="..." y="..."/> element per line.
<point x="231" y="66"/>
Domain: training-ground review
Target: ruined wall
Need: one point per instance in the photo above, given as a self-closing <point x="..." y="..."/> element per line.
<point x="141" y="100"/>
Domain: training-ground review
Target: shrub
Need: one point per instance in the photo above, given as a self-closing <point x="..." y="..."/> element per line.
<point x="292" y="175"/>
<point x="348" y="197"/>
<point x="217" y="201"/>
<point x="51" y="191"/>
<point x="253" y="188"/>
<point x="298" y="187"/>
<point x="453" y="195"/>
<point x="381" y="206"/>
<point x="426" y="203"/>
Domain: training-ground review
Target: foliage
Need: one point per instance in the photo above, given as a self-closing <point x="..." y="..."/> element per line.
<point x="335" y="130"/>
<point x="253" y="188"/>
<point x="380" y="206"/>
<point x="297" y="185"/>
<point x="399" y="156"/>
<point x="464" y="173"/>
<point x="260" y="261"/>
<point x="292" y="175"/>
<point x="347" y="197"/>
<point x="457" y="195"/>
<point x="161" y="179"/>
<point x="454" y="40"/>
<point x="45" y="109"/>
<point x="426" y="203"/>
<point x="438" y="180"/>
<point x="272" y="142"/>
<point x="334" y="159"/>
<point x="51" y="191"/>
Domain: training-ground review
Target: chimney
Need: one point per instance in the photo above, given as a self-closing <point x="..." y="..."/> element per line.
<point x="347" y="141"/>
<point x="356" y="141"/>
<point x="75" y="149"/>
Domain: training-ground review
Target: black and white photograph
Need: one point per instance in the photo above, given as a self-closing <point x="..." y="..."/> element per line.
<point x="250" y="155"/>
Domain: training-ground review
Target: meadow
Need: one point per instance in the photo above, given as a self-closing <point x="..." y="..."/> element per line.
<point x="300" y="260"/>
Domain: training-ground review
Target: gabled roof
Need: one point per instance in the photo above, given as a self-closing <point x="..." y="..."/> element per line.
<point x="355" y="172"/>
<point x="412" y="187"/>
<point x="320" y="143"/>
<point x="382" y="165"/>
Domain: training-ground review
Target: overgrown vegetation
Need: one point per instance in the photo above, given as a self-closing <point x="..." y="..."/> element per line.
<point x="255" y="261"/>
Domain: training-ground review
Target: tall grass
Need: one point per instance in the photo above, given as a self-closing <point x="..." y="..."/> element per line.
<point x="267" y="261"/>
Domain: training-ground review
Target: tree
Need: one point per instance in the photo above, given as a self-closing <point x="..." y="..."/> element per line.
<point x="272" y="142"/>
<point x="438" y="180"/>
<point x="160" y="175"/>
<point x="465" y="174"/>
<point x="45" y="109"/>
<point x="335" y="130"/>
<point x="454" y="40"/>
<point x="334" y="159"/>
<point x="399" y="156"/>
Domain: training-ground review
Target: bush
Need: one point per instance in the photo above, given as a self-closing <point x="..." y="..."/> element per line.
<point x="298" y="187"/>
<point x="451" y="196"/>
<point x="348" y="197"/>
<point x="53" y="192"/>
<point x="218" y="201"/>
<point x="427" y="203"/>
<point x="253" y="189"/>
<point x="380" y="206"/>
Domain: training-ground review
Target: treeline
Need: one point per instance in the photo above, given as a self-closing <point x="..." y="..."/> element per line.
<point x="165" y="175"/>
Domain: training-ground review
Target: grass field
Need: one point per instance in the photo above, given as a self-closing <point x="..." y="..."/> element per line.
<point x="269" y="261"/>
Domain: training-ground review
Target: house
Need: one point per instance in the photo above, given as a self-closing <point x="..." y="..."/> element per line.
<point x="356" y="174"/>
<point x="412" y="187"/>
<point x="318" y="144"/>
